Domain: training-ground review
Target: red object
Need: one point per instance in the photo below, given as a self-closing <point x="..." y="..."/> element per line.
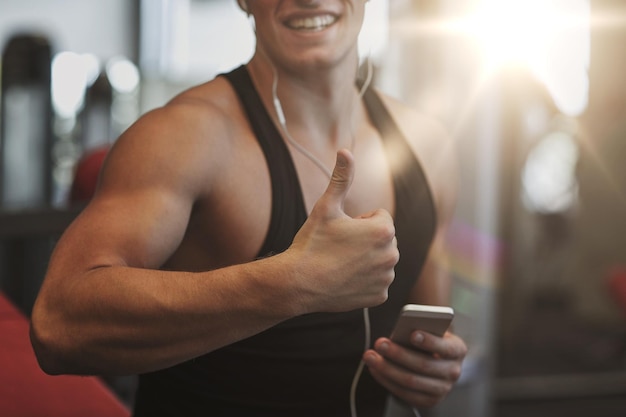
<point x="617" y="286"/>
<point x="86" y="175"/>
<point x="26" y="391"/>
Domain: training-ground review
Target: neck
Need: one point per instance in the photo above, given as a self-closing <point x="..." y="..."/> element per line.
<point x="322" y="113"/>
<point x="319" y="105"/>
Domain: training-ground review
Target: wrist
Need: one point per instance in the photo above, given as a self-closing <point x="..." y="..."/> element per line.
<point x="279" y="286"/>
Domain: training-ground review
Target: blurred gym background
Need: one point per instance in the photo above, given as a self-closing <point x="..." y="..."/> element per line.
<point x="533" y="93"/>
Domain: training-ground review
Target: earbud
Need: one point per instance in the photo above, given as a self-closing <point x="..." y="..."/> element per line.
<point x="279" y="111"/>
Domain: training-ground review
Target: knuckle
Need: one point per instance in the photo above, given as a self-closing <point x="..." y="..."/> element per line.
<point x="425" y="366"/>
<point x="464" y="351"/>
<point x="396" y="256"/>
<point x="412" y="382"/>
<point x="387" y="278"/>
<point x="386" y="232"/>
<point x="391" y="259"/>
<point x="455" y="372"/>
<point x="443" y="390"/>
<point x="388" y="257"/>
<point x="382" y="297"/>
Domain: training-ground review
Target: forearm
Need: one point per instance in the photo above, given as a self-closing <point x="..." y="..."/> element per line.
<point x="434" y="285"/>
<point x="120" y="320"/>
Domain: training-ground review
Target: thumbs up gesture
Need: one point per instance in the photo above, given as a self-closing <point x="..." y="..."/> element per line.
<point x="344" y="263"/>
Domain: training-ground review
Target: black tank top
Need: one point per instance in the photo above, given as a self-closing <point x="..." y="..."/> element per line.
<point x="304" y="366"/>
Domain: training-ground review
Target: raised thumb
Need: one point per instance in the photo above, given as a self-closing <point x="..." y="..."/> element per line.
<point x="340" y="182"/>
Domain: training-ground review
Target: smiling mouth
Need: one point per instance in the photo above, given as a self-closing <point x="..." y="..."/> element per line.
<point x="312" y="23"/>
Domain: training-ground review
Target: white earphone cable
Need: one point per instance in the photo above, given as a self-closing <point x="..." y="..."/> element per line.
<point x="283" y="124"/>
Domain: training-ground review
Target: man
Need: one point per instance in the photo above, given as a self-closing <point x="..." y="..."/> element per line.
<point x="220" y="260"/>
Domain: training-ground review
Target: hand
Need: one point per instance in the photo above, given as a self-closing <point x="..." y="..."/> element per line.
<point x="420" y="377"/>
<point x="344" y="263"/>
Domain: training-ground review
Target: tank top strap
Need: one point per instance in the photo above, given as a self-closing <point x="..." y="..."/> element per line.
<point x="415" y="215"/>
<point x="288" y="208"/>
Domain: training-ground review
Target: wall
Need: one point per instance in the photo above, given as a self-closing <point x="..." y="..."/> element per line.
<point x="105" y="28"/>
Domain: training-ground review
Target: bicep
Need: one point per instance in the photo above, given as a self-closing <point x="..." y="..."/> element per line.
<point x="139" y="229"/>
<point x="139" y="213"/>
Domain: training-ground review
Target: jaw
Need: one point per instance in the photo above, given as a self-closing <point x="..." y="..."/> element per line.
<point x="303" y="40"/>
<point x="321" y="40"/>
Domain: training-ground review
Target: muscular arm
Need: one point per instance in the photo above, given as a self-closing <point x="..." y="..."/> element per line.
<point x="105" y="307"/>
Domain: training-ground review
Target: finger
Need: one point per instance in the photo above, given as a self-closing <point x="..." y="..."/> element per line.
<point x="414" y="398"/>
<point x="343" y="173"/>
<point x="449" y="346"/>
<point x="411" y="387"/>
<point x="386" y="229"/>
<point x="420" y="362"/>
<point x="380" y="213"/>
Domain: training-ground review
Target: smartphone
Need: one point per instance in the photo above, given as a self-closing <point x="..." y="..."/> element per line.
<point x="431" y="319"/>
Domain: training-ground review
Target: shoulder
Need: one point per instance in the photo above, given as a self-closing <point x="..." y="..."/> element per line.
<point x="434" y="149"/>
<point x="417" y="125"/>
<point x="186" y="140"/>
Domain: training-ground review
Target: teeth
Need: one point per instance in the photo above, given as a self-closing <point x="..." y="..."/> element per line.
<point x="312" y="23"/>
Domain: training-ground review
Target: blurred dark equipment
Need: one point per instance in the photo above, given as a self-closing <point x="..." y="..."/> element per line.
<point x="96" y="117"/>
<point x="97" y="133"/>
<point x="25" y="144"/>
<point x="26" y="218"/>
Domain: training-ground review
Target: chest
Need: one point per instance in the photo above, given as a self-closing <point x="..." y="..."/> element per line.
<point x="371" y="188"/>
<point x="232" y="225"/>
